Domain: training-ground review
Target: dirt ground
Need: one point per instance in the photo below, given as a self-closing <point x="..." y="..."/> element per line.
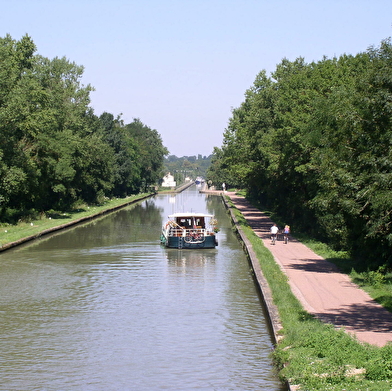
<point x="322" y="290"/>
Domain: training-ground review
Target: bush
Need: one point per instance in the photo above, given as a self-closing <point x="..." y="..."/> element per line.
<point x="380" y="366"/>
<point x="13" y="216"/>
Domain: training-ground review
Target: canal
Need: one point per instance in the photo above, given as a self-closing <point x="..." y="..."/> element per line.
<point x="103" y="306"/>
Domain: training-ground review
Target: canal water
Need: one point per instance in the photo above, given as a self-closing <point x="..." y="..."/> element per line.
<point x="103" y="306"/>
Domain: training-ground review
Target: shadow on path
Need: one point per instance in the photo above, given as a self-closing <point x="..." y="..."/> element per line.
<point x="319" y="286"/>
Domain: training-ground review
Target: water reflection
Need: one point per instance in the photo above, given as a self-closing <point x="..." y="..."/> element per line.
<point x="190" y="258"/>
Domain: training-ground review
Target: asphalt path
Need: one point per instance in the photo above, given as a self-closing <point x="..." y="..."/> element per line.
<point x="319" y="286"/>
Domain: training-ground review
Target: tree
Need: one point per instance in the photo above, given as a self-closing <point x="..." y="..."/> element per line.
<point x="45" y="124"/>
<point x="17" y="169"/>
<point x="127" y="165"/>
<point x="313" y="144"/>
<point x="150" y="150"/>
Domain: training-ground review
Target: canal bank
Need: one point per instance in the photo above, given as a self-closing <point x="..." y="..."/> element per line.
<point x="5" y="244"/>
<point x="272" y="313"/>
<point x="264" y="288"/>
<point x="322" y="290"/>
<point x="177" y="189"/>
<point x="313" y="296"/>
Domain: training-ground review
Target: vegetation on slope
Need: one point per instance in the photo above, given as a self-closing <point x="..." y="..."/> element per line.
<point x="313" y="143"/>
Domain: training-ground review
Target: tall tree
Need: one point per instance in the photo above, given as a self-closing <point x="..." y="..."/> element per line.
<point x="151" y="152"/>
<point x="18" y="170"/>
<point x="127" y="165"/>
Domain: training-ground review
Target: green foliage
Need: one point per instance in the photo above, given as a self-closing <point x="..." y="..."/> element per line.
<point x="192" y="166"/>
<point x="54" y="152"/>
<point x="374" y="277"/>
<point x="380" y="364"/>
<point x="313" y="144"/>
<point x="150" y="152"/>
<point x="378" y="283"/>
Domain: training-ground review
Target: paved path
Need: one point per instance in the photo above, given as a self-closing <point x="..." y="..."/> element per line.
<point x="322" y="290"/>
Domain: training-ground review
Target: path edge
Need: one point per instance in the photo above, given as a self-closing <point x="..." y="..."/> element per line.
<point x="262" y="284"/>
<point x="271" y="310"/>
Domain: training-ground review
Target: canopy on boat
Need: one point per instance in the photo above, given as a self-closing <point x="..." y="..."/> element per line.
<point x="189" y="214"/>
<point x="189" y="220"/>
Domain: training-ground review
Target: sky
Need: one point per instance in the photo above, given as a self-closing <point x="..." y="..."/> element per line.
<point x="181" y="66"/>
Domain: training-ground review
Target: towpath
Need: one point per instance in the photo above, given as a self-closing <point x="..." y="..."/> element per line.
<point x="319" y="286"/>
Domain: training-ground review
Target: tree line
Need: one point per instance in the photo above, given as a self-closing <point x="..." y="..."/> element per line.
<point x="312" y="143"/>
<point x="54" y="151"/>
<point x="192" y="166"/>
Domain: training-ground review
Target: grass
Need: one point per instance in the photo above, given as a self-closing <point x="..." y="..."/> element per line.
<point x="314" y="355"/>
<point x="377" y="284"/>
<point x="11" y="233"/>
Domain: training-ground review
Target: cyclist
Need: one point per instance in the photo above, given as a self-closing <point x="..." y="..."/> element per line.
<point x="286" y="232"/>
<point x="274" y="232"/>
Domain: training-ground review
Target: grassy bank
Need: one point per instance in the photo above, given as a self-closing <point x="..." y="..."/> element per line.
<point x="312" y="354"/>
<point x="51" y="220"/>
<point x="377" y="283"/>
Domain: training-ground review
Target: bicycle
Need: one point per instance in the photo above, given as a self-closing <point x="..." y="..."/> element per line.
<point x="286" y="232"/>
<point x="274" y="232"/>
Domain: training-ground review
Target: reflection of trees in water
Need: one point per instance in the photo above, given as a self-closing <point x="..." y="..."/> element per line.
<point x="211" y="201"/>
<point x="214" y="206"/>
<point x="146" y="213"/>
<point x="140" y="221"/>
<point x="190" y="258"/>
<point x="136" y="222"/>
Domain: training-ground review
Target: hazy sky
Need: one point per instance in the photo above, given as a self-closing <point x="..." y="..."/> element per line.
<point x="182" y="65"/>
